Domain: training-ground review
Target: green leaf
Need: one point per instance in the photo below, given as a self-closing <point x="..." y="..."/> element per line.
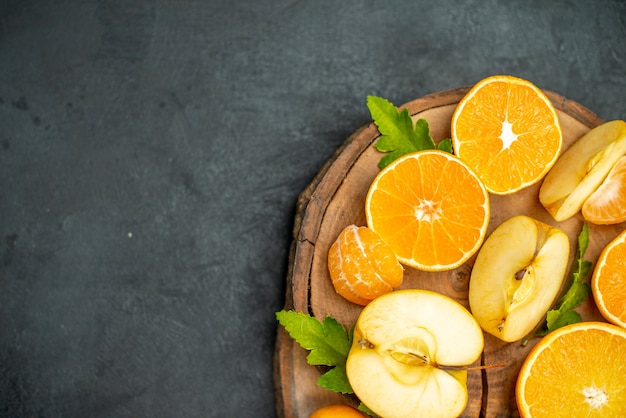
<point x="363" y="408"/>
<point x="336" y="380"/>
<point x="328" y="344"/>
<point x="577" y="293"/>
<point x="445" y="145"/>
<point x="583" y="241"/>
<point x="557" y="319"/>
<point x="399" y="136"/>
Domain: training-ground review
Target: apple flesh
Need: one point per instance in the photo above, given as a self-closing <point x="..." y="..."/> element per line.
<point x="402" y="343"/>
<point x="582" y="168"/>
<point x="517" y="276"/>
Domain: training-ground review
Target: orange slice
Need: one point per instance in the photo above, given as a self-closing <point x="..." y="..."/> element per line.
<point x="507" y="131"/>
<point x="578" y="370"/>
<point x="362" y="266"/>
<point x="608" y="282"/>
<point x="607" y="205"/>
<point x="430" y="208"/>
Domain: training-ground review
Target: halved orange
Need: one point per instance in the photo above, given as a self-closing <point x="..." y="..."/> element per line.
<point x="608" y="282"/>
<point x="507" y="131"/>
<point x="607" y="205"/>
<point x="430" y="208"/>
<point x="362" y="266"/>
<point x="578" y="370"/>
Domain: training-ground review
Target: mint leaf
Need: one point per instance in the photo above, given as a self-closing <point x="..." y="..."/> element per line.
<point x="399" y="135"/>
<point x="575" y="295"/>
<point x="557" y="319"/>
<point x="363" y="408"/>
<point x="445" y="145"/>
<point x="336" y="380"/>
<point x="328" y="343"/>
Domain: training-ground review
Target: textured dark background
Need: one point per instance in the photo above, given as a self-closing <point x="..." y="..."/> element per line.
<point x="151" y="154"/>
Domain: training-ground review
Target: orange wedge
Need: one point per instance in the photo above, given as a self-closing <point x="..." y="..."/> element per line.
<point x="578" y="370"/>
<point x="507" y="131"/>
<point x="430" y="208"/>
<point x="608" y="282"/>
<point x="607" y="204"/>
<point x="362" y="266"/>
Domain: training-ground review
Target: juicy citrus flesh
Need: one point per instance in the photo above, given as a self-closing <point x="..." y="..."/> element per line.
<point x="336" y="411"/>
<point x="575" y="371"/>
<point x="608" y="283"/>
<point x="607" y="205"/>
<point x="507" y="130"/>
<point x="362" y="266"/>
<point x="430" y="208"/>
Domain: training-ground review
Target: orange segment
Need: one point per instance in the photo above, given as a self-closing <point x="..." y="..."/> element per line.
<point x="608" y="282"/>
<point x="362" y="266"/>
<point x="507" y="131"/>
<point x="576" y="371"/>
<point x="607" y="205"/>
<point x="430" y="208"/>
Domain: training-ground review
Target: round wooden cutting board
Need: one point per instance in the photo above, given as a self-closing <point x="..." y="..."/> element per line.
<point x="336" y="198"/>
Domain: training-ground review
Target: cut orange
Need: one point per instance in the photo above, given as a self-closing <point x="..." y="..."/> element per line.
<point x="362" y="266"/>
<point x="430" y="208"/>
<point x="336" y="411"/>
<point x="507" y="131"/>
<point x="607" y="205"/>
<point x="608" y="282"/>
<point x="578" y="370"/>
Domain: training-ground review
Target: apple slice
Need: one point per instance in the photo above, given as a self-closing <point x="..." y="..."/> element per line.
<point x="581" y="169"/>
<point x="517" y="276"/>
<point x="402" y="343"/>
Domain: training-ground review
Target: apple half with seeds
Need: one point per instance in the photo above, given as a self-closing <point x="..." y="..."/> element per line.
<point x="582" y="168"/>
<point x="408" y="354"/>
<point x="517" y="276"/>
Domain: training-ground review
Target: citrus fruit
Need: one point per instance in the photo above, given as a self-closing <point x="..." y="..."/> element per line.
<point x="362" y="266"/>
<point x="608" y="283"/>
<point x="607" y="205"/>
<point x="430" y="208"/>
<point x="578" y="370"/>
<point x="336" y="411"/>
<point x="582" y="168"/>
<point x="507" y="131"/>
<point x="575" y="371"/>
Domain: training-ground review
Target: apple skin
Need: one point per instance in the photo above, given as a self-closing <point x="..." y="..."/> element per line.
<point x="401" y="341"/>
<point x="582" y="168"/>
<point x="517" y="276"/>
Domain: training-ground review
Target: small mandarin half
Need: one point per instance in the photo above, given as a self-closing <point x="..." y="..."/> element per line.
<point x="581" y="171"/>
<point x="607" y="205"/>
<point x="608" y="282"/>
<point x="578" y="370"/>
<point x="430" y="208"/>
<point x="507" y="131"/>
<point x="362" y="266"/>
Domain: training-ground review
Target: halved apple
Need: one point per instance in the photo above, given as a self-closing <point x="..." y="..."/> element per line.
<point x="402" y="343"/>
<point x="581" y="169"/>
<point x="517" y="276"/>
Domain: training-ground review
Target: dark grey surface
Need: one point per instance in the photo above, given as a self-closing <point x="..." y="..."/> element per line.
<point x="151" y="154"/>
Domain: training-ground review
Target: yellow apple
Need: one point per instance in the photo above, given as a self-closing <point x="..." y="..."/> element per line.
<point x="582" y="168"/>
<point x="402" y="343"/>
<point x="517" y="276"/>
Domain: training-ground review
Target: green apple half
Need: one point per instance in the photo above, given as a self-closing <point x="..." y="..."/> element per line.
<point x="406" y="352"/>
<point x="517" y="276"/>
<point x="582" y="168"/>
